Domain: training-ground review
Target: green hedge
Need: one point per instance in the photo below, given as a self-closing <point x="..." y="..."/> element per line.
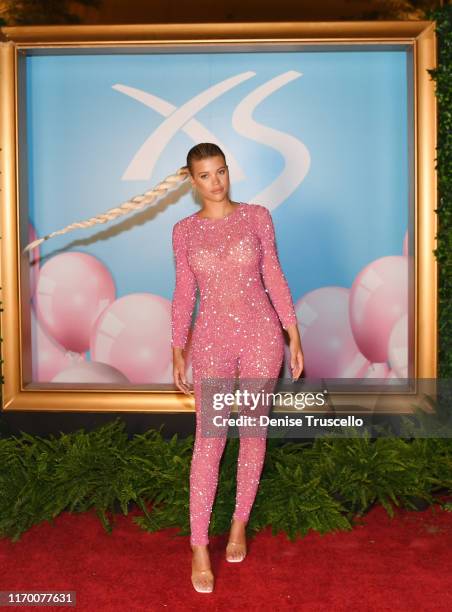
<point x="320" y="485"/>
<point x="443" y="79"/>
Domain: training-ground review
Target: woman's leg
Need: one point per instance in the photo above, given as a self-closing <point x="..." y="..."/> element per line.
<point x="260" y="364"/>
<point x="208" y="450"/>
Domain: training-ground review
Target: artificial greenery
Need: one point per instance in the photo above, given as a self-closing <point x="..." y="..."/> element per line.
<point x="45" y="12"/>
<point x="318" y="485"/>
<point x="442" y="76"/>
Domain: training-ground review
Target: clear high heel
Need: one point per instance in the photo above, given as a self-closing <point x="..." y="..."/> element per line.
<point x="202" y="580"/>
<point x="235" y="552"/>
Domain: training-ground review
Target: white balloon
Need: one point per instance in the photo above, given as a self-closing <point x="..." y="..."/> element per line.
<point x="398" y="347"/>
<point x="91" y="372"/>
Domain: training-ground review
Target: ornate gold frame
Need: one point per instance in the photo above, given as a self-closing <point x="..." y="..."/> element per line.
<point x="419" y="36"/>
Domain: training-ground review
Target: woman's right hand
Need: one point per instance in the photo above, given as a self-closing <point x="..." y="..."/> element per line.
<point x="179" y="372"/>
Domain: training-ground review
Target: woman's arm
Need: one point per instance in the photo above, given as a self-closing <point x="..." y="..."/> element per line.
<point x="184" y="295"/>
<point x="277" y="286"/>
<point x="274" y="280"/>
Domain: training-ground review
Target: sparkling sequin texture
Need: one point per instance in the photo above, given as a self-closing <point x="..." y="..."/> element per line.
<point x="233" y="262"/>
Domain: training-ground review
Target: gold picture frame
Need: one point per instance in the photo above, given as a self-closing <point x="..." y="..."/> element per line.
<point x="418" y="37"/>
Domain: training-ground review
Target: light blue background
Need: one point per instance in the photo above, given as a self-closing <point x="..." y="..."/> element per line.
<point x="348" y="108"/>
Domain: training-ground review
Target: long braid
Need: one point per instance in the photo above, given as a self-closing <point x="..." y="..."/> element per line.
<point x="135" y="203"/>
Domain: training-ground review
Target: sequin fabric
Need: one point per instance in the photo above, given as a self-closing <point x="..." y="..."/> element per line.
<point x="244" y="301"/>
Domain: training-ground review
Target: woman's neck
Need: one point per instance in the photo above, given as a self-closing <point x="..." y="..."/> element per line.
<point x="216" y="210"/>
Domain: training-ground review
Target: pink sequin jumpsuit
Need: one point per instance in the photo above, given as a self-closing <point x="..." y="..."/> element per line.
<point x="237" y="331"/>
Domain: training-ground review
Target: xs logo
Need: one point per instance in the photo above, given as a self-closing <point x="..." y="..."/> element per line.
<point x="294" y="152"/>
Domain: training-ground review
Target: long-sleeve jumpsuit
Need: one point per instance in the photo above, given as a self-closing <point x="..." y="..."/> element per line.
<point x="237" y="326"/>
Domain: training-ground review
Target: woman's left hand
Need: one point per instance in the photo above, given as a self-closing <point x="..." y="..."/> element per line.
<point x="296" y="358"/>
<point x="296" y="354"/>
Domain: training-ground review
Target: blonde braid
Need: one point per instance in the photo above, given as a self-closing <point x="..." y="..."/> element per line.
<point x="135" y="203"/>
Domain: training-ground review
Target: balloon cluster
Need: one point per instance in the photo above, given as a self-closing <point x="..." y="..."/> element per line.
<point x="75" y="310"/>
<point x="361" y="332"/>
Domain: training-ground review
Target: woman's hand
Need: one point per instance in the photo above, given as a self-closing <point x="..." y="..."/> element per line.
<point x="296" y="359"/>
<point x="179" y="372"/>
<point x="296" y="354"/>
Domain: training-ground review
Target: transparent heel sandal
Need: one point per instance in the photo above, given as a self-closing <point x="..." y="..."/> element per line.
<point x="235" y="552"/>
<point x="202" y="580"/>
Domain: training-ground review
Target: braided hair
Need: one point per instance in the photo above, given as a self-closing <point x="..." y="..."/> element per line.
<point x="199" y="151"/>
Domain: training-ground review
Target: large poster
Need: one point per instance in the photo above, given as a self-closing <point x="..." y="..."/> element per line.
<point x="321" y="138"/>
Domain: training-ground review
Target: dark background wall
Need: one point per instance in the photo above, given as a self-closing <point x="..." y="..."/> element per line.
<point x="13" y="12"/>
<point x="142" y="11"/>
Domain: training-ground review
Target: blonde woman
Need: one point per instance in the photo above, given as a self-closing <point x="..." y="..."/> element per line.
<point x="226" y="250"/>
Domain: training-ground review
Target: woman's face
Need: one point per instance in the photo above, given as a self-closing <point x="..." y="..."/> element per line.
<point x="211" y="178"/>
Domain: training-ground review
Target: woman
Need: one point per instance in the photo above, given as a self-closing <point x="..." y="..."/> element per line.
<point x="224" y="249"/>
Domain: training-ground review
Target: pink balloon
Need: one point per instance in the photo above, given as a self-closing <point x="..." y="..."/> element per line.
<point x="398" y="347"/>
<point x="405" y="244"/>
<point x="90" y="372"/>
<point x="73" y="289"/>
<point x="133" y="334"/>
<point x="355" y="368"/>
<point x="33" y="258"/>
<point x="328" y="345"/>
<point x="378" y="298"/>
<point x="48" y="357"/>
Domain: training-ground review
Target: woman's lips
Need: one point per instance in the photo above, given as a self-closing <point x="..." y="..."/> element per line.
<point x="217" y="190"/>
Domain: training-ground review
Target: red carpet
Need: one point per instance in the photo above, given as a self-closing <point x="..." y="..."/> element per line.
<point x="396" y="564"/>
